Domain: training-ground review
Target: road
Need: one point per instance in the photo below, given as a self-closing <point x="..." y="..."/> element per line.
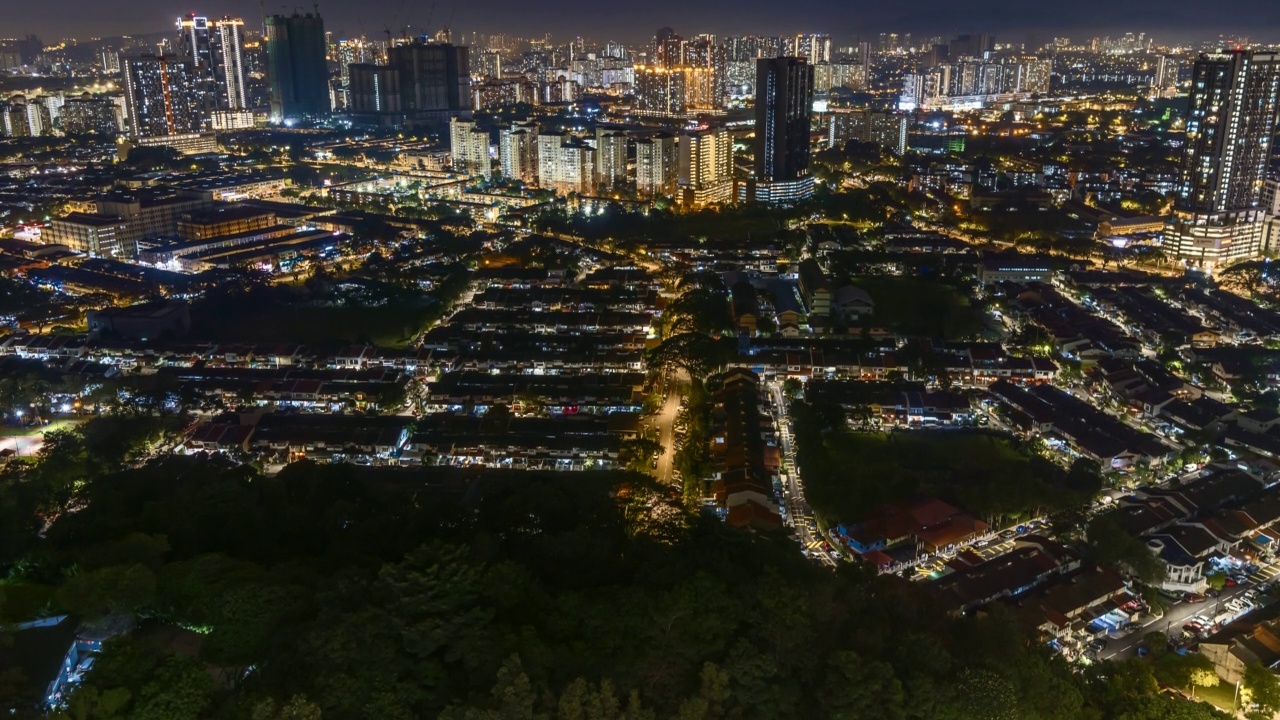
<point x="665" y="421"/>
<point x="798" y="511"/>
<point x="1173" y="620"/>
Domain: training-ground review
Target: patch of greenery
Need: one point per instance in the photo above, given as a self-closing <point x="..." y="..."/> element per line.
<point x="912" y="306"/>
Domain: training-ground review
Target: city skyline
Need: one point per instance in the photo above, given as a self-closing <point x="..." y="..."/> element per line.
<point x="1174" y="22"/>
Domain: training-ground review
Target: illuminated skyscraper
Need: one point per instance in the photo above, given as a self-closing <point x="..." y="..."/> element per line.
<point x="784" y="99"/>
<point x="1231" y="121"/>
<point x="296" y="67"/>
<point x="194" y="44"/>
<point x="161" y="96"/>
<point x="228" y="55"/>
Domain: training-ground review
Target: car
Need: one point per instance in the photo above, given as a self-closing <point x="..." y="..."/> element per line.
<point x="1230" y="582"/>
<point x="1193" y="598"/>
<point x="1005" y="535"/>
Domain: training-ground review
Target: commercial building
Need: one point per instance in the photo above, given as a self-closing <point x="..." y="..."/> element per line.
<point x="226" y="219"/>
<point x="91" y="233"/>
<point x="706" y="167"/>
<point x="296" y="67"/>
<point x="160" y="96"/>
<point x="784" y="98"/>
<point x="1231" y="121"/>
<point x="656" y="164"/>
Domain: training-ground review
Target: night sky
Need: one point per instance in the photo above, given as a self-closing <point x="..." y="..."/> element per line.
<point x="1078" y="19"/>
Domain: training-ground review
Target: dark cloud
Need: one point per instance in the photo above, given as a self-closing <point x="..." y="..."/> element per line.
<point x="1165" y="19"/>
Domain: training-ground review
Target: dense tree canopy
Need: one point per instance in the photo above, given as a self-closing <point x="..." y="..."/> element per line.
<point x="341" y="592"/>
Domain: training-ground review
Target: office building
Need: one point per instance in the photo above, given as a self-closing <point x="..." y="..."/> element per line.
<point x="161" y="96"/>
<point x="611" y="157"/>
<point x="656" y="164"/>
<point x="469" y="148"/>
<point x="1218" y="216"/>
<point x="518" y="152"/>
<point x="565" y="164"/>
<point x="296" y="67"/>
<point x="705" y="167"/>
<point x="784" y="98"/>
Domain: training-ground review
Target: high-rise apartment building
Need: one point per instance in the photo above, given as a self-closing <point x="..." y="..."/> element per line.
<point x="886" y="129"/>
<point x="611" y="157"/>
<point x="656" y="164"/>
<point x="1164" y="80"/>
<point x="814" y="48"/>
<point x="1231" y="122"/>
<point x="431" y="80"/>
<point x="373" y="91"/>
<point x="705" y="167"/>
<point x="195" y="45"/>
<point x="660" y="91"/>
<point x="296" y="67"/>
<point x="469" y="146"/>
<point x="161" y="96"/>
<point x="88" y="114"/>
<point x="518" y="152"/>
<point x="228" y="55"/>
<point x="565" y="164"/>
<point x="784" y="99"/>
